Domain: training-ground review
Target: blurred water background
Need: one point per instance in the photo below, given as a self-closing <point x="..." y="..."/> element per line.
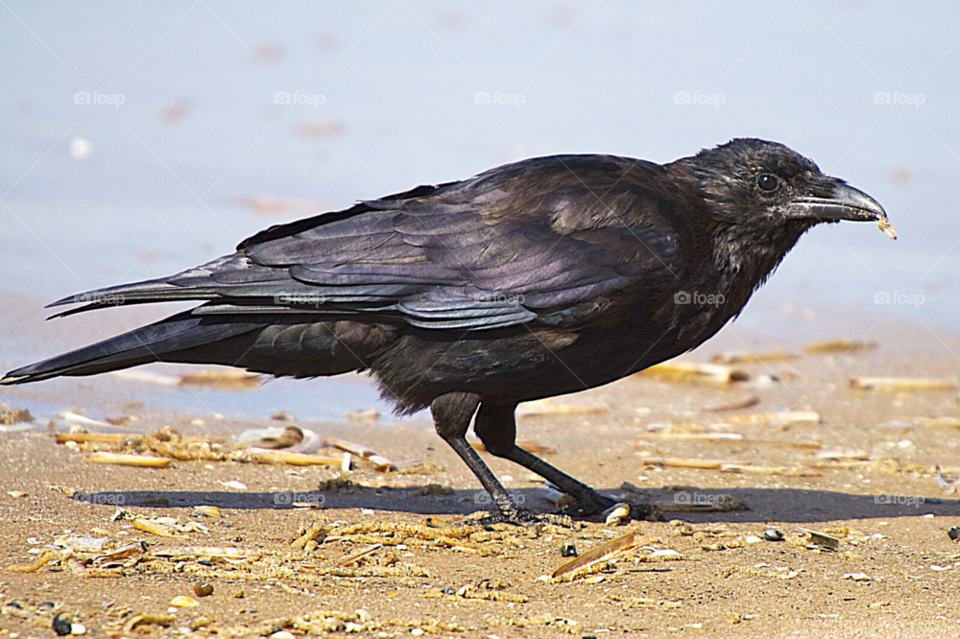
<point x="138" y="139"/>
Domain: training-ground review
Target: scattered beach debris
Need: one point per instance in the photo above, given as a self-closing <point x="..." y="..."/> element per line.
<point x="547" y="407"/>
<point x="856" y="576"/>
<point x="774" y="417"/>
<point x="10" y="416"/>
<point x="749" y="357"/>
<point x="369" y="416"/>
<point x="206" y="511"/>
<point x="226" y="379"/>
<point x="773" y="534"/>
<point x="183" y="601"/>
<point x="146" y="377"/>
<point x="354" y="557"/>
<point x="203" y="589"/>
<point x="737" y="404"/>
<point x="938" y="422"/>
<point x="529" y="445"/>
<point x="602" y="553"/>
<point x="271" y="438"/>
<point x="842" y="454"/>
<point x="840" y="345"/>
<point x="695" y="372"/>
<point x="954" y="532"/>
<point x="617" y="514"/>
<point x="821" y="541"/>
<point x="568" y="548"/>
<point x="902" y="383"/>
<point x="127" y="460"/>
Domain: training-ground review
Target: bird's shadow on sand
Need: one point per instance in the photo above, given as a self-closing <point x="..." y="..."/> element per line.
<point x="763" y="504"/>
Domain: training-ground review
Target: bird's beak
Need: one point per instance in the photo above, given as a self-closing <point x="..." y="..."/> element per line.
<point x="846" y="203"/>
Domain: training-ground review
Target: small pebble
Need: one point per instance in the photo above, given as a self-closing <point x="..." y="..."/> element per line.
<point x="62" y="626"/>
<point x="568" y="549"/>
<point x="954" y="532"/>
<point x="203" y="590"/>
<point x="773" y="534"/>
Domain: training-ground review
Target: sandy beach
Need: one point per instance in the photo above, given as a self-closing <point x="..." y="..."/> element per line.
<point x="864" y="475"/>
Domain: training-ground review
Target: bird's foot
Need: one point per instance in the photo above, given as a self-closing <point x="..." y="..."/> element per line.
<point x="519" y="517"/>
<point x="595" y="504"/>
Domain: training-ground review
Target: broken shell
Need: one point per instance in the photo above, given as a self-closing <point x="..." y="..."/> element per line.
<point x="568" y="549"/>
<point x="291" y="458"/>
<point x="127" y="460"/>
<point x="595" y="555"/>
<point x="954" y="532"/>
<point x="751" y="357"/>
<point x="823" y="540"/>
<point x="743" y="402"/>
<point x="773" y="534"/>
<point x="692" y="371"/>
<point x="221" y="379"/>
<point x="157" y="529"/>
<point x="841" y="345"/>
<point x="183" y="601"/>
<point x="206" y="511"/>
<point x="357" y="556"/>
<point x="901" y="383"/>
<point x="616" y="514"/>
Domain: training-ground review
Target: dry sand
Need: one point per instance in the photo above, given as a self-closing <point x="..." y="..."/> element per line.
<point x="894" y="574"/>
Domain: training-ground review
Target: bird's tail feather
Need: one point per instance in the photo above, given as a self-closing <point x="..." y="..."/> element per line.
<point x="174" y="339"/>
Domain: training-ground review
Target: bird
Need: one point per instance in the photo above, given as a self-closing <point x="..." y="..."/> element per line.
<point x="538" y="278"/>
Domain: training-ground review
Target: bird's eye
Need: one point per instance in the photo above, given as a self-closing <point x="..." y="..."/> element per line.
<point x="768" y="183"/>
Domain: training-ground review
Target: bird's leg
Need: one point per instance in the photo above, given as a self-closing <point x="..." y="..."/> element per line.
<point x="451" y="416"/>
<point x="497" y="428"/>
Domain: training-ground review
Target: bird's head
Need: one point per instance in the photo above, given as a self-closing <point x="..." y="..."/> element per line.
<point x="755" y="184"/>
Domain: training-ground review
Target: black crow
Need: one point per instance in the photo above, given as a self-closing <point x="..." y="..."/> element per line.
<point x="533" y="279"/>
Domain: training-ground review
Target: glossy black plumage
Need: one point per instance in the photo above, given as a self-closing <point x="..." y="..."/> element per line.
<point x="533" y="279"/>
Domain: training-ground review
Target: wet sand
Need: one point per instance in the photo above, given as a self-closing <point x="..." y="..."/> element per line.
<point x="862" y="475"/>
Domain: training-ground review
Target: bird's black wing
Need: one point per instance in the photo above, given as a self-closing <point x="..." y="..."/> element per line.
<point x="530" y="242"/>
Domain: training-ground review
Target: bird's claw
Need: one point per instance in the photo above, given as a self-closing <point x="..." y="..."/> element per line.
<point x="520" y="517"/>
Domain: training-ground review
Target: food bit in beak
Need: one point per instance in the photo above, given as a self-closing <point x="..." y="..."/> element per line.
<point x="884" y="225"/>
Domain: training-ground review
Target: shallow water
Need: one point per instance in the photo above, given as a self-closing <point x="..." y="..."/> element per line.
<point x="99" y="193"/>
